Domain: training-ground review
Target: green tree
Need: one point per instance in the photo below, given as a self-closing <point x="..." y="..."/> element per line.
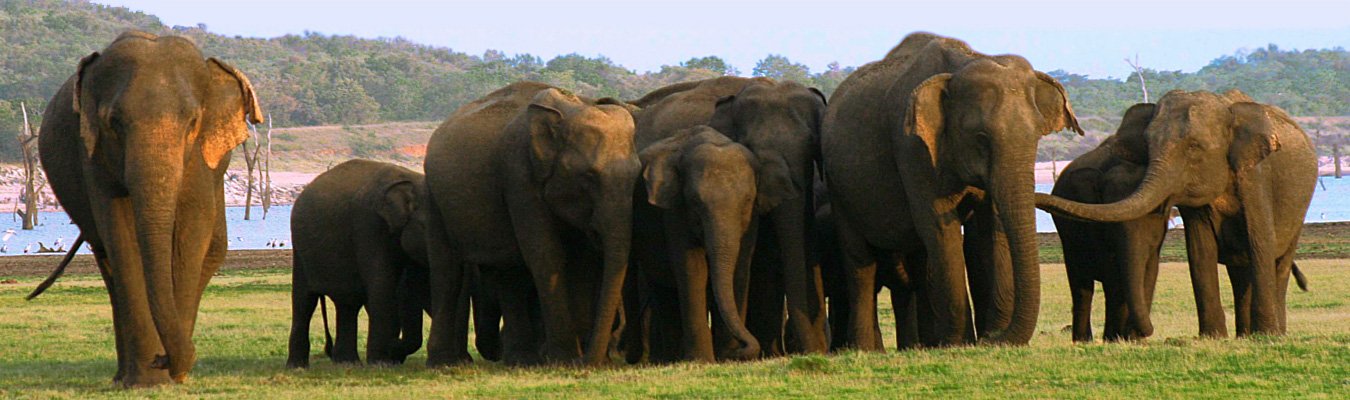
<point x="711" y="63"/>
<point x="779" y="67"/>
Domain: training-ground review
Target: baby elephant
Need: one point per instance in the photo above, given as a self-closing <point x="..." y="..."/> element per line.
<point x="358" y="236"/>
<point x="699" y="232"/>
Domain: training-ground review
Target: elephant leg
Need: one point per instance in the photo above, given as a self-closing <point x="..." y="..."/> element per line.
<point x="1286" y="268"/>
<point x="382" y="314"/>
<point x="989" y="267"/>
<point x="545" y="264"/>
<point x="1082" y="291"/>
<point x="302" y="312"/>
<point x="1258" y="211"/>
<point x="1240" y="277"/>
<point x="344" y="346"/>
<point x="446" y="272"/>
<point x="1117" y="311"/>
<point x="1203" y="256"/>
<point x="519" y="323"/>
<point x="693" y="294"/>
<point x="634" y="333"/>
<point x="765" y="313"/>
<point x="859" y="271"/>
<point x="119" y="319"/>
<point x="487" y="316"/>
<point x="906" y="319"/>
<point x="142" y="346"/>
<point x="412" y="295"/>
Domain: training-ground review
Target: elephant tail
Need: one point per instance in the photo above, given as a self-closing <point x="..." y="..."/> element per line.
<point x="327" y="337"/>
<point x="1299" y="278"/>
<point x="60" y="269"/>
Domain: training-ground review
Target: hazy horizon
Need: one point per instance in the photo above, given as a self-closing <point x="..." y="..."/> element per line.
<point x="1091" y="39"/>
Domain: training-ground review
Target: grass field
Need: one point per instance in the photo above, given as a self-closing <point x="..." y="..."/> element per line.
<point x="60" y="346"/>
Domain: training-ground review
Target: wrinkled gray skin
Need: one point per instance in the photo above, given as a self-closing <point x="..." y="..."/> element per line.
<point x="135" y="146"/>
<point x="694" y="231"/>
<point x="933" y="138"/>
<point x="537" y="185"/>
<point x="1242" y="174"/>
<point x="778" y="122"/>
<point x="1123" y="256"/>
<point x="359" y="235"/>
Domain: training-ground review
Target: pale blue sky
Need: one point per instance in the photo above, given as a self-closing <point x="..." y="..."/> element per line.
<point x="1090" y="37"/>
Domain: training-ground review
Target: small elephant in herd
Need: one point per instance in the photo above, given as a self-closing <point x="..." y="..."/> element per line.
<point x="359" y="233"/>
<point x="1122" y="252"/>
<point x="697" y="232"/>
<point x="916" y="174"/>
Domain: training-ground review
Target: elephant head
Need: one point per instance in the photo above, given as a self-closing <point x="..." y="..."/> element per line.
<point x="711" y="178"/>
<point x="399" y="204"/>
<point x="979" y="124"/>
<point x="780" y="123"/>
<point x="582" y="154"/>
<point x="154" y="114"/>
<point x="1196" y="143"/>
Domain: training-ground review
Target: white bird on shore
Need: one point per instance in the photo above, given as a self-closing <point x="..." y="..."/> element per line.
<point x="4" y="248"/>
<point x="57" y="243"/>
<point x="28" y="249"/>
<point x="9" y="233"/>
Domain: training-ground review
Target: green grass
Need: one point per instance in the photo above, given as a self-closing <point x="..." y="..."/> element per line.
<point x="60" y="346"/>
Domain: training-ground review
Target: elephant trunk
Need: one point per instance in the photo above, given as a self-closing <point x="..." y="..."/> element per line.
<point x="1148" y="197"/>
<point x="805" y="296"/>
<point x="153" y="178"/>
<point x="1012" y="198"/>
<point x="614" y="220"/>
<point x="723" y="250"/>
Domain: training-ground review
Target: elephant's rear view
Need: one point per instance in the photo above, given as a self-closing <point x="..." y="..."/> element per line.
<point x="135" y="146"/>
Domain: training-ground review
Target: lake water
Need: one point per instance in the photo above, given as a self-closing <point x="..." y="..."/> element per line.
<point x="1331" y="202"/>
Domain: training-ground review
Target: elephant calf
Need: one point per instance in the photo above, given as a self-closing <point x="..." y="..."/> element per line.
<point x="359" y="239"/>
<point x="702" y="187"/>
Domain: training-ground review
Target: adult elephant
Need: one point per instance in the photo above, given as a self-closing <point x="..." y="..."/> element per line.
<point x="934" y="136"/>
<point x="533" y="182"/>
<point x="697" y="233"/>
<point x="1242" y="174"/>
<point x="359" y="234"/>
<point x="1123" y="256"/>
<point x="135" y="146"/>
<point x="778" y="122"/>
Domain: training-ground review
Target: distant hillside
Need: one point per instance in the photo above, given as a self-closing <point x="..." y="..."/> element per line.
<point x="319" y="80"/>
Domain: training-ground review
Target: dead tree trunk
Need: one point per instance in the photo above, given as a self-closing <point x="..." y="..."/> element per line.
<point x="1336" y="156"/>
<point x="251" y="164"/>
<point x="1139" y="71"/>
<point x="266" y="173"/>
<point x="30" y="196"/>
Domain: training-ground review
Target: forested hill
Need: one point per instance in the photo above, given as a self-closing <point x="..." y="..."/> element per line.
<point x="315" y="79"/>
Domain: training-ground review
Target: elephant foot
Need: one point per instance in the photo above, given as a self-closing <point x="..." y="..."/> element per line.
<point x="146" y="379"/>
<point x="434" y="361"/>
<point x="297" y="363"/>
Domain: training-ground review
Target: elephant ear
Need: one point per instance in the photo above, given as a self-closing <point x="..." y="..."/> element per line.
<point x="820" y="94"/>
<point x="1255" y="133"/>
<point x="224" y="128"/>
<point x="1054" y="105"/>
<point x="397" y="203"/>
<point x="925" y="116"/>
<point x="88" y="133"/>
<point x="1131" y="138"/>
<point x="773" y="179"/>
<point x="545" y="124"/>
<point x="724" y="117"/>
<point x="660" y="171"/>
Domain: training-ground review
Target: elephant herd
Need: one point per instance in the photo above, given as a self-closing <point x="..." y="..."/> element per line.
<point x="724" y="219"/>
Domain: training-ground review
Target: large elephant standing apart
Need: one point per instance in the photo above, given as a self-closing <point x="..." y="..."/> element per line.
<point x="778" y="122"/>
<point x="1123" y="256"/>
<point x="933" y="137"/>
<point x="135" y="146"/>
<point x="359" y="234"/>
<point x="1242" y="174"/>
<point x="533" y="184"/>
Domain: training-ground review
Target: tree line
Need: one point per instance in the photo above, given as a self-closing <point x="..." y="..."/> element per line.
<point x="317" y="79"/>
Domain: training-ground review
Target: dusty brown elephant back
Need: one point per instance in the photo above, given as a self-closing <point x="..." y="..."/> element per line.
<point x="153" y="122"/>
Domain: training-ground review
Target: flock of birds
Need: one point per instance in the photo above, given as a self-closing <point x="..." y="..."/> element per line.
<point x="59" y="246"/>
